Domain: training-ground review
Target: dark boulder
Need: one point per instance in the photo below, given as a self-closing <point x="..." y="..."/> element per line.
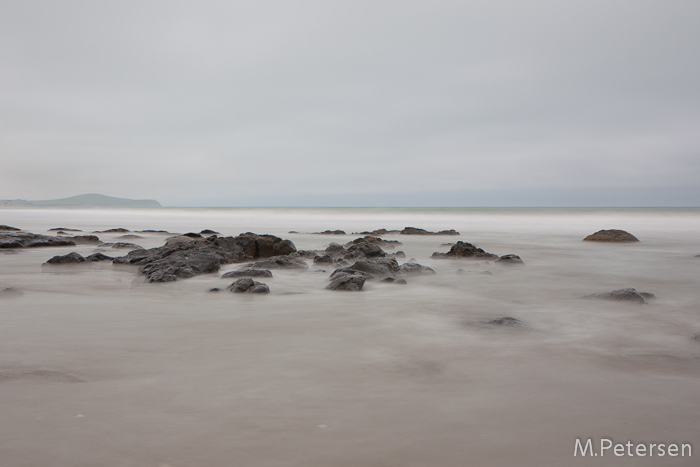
<point x="381" y="267"/>
<point x="248" y="273"/>
<point x="509" y="260"/>
<point x="352" y="283"/>
<point x="192" y="235"/>
<point x="380" y="232"/>
<point x="70" y="258"/>
<point x="267" y="246"/>
<point x="417" y="231"/>
<point x="336" y="249"/>
<point x="181" y="265"/>
<point x="209" y="232"/>
<point x="364" y="250"/>
<point x="214" y="289"/>
<point x="98" y="257"/>
<point x="465" y="250"/>
<point x="399" y="254"/>
<point x="247" y="285"/>
<point x="375" y="240"/>
<point x="31" y="240"/>
<point x="128" y="237"/>
<point x="324" y="259"/>
<point x="415" y="269"/>
<point x="506" y="321"/>
<point x="85" y="239"/>
<point x="126" y="245"/>
<point x="616" y="236"/>
<point x="279" y="262"/>
<point x="117" y="230"/>
<point x="330" y="232"/>
<point x="350" y="272"/>
<point x="394" y="280"/>
<point x="65" y="229"/>
<point x="7" y="228"/>
<point x="628" y="295"/>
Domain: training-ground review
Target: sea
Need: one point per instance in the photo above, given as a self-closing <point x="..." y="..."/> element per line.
<point x="100" y="368"/>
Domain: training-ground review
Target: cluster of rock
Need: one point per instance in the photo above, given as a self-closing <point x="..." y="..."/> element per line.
<point x="409" y="231"/>
<point x="73" y="258"/>
<point x="201" y="256"/>
<point x="19" y="239"/>
<point x="467" y="250"/>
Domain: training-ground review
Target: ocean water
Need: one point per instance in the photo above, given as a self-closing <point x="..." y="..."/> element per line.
<point x="98" y="367"/>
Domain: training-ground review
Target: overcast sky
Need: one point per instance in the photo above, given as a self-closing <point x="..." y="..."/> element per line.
<point x="351" y="103"/>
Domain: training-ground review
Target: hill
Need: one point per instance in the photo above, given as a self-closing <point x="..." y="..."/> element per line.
<point x="86" y="200"/>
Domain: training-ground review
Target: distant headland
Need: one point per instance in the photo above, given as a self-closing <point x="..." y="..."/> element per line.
<point x="88" y="200"/>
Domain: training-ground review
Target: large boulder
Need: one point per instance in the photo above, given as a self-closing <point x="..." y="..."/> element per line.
<point x="98" y="257"/>
<point x="84" y="239"/>
<point x="465" y="250"/>
<point x="417" y="231"/>
<point x="70" y="258"/>
<point x="279" y="262"/>
<point x="248" y="273"/>
<point x="14" y="239"/>
<point x="7" y="228"/>
<point x="352" y="283"/>
<point x="509" y="260"/>
<point x="248" y="285"/>
<point x="364" y="250"/>
<point x="616" y="236"/>
<point x="267" y="246"/>
<point x="181" y="265"/>
<point x="622" y="295"/>
<point x="415" y="269"/>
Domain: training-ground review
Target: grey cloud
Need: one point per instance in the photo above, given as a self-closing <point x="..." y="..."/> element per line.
<point x="266" y="102"/>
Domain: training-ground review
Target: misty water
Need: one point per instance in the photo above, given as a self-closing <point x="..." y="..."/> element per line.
<point x="98" y="367"/>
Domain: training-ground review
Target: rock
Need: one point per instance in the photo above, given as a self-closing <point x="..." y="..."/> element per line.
<point x="616" y="236"/>
<point x="330" y="232"/>
<point x="374" y="240"/>
<point x="84" y="239"/>
<point x="399" y="254"/>
<point x="201" y="256"/>
<point x="364" y="250"/>
<point x="304" y="254"/>
<point x="154" y="231"/>
<point x="192" y="235"/>
<point x="181" y="265"/>
<point x="117" y="230"/>
<point x="178" y="239"/>
<point x="465" y="250"/>
<point x="247" y="285"/>
<point x="325" y="259"/>
<point x="629" y="294"/>
<point x="380" y="232"/>
<point x="209" y="232"/>
<point x="11" y="239"/>
<point x="214" y="289"/>
<point x="7" y="228"/>
<point x="10" y="292"/>
<point x="417" y="231"/>
<point x="126" y="245"/>
<point x="248" y="273"/>
<point x="267" y="246"/>
<point x="98" y="257"/>
<point x="66" y="229"/>
<point x="128" y="237"/>
<point x="351" y="283"/>
<point x="393" y="280"/>
<point x="509" y="260"/>
<point x="381" y="267"/>
<point x="70" y="258"/>
<point x="506" y="321"/>
<point x="279" y="262"/>
<point x="414" y="269"/>
<point x="336" y="249"/>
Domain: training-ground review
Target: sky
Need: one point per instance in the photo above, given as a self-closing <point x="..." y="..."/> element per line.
<point x="352" y="103"/>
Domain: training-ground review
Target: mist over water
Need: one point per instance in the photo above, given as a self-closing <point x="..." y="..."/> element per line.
<point x="170" y="375"/>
